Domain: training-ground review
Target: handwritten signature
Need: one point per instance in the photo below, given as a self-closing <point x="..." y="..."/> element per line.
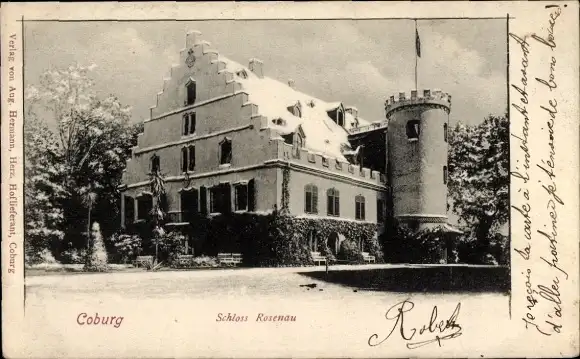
<point x="397" y="314"/>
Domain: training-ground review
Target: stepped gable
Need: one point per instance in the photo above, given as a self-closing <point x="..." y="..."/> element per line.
<point x="269" y="98"/>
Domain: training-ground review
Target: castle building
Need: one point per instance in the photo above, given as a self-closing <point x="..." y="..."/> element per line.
<point x="230" y="140"/>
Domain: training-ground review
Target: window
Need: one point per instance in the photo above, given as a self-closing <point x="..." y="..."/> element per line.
<point x="380" y="210"/>
<point x="155" y="164"/>
<point x="189" y="122"/>
<point x="444" y="174"/>
<point x="333" y="202"/>
<point x="191" y="163"/>
<point x="325" y="161"/>
<point x="191" y="92"/>
<point x="445" y="132"/>
<point x="310" y="199"/>
<point x="413" y="129"/>
<point x="189" y="204"/>
<point x="359" y="202"/>
<point x="184" y="159"/>
<point x="220" y="198"/>
<point x="241" y="197"/>
<point x="144" y="206"/>
<point x="225" y="152"/>
<point x="192" y="122"/>
<point x="129" y="210"/>
<point x="185" y="124"/>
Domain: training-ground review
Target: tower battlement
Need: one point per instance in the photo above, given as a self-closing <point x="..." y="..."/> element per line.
<point x="427" y="97"/>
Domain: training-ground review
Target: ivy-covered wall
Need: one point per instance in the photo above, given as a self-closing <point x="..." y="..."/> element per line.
<point x="282" y="240"/>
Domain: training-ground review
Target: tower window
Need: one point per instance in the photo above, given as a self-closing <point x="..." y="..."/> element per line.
<point x="333" y="202"/>
<point x="445" y="132"/>
<point x="359" y="202"/>
<point x="191" y="92"/>
<point x="413" y="129"/>
<point x="225" y="152"/>
<point x="444" y="174"/>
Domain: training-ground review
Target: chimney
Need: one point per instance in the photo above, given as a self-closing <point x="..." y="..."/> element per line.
<point x="191" y="38"/>
<point x="257" y="67"/>
<point x="291" y="83"/>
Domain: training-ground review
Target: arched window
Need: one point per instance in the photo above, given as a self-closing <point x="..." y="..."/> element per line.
<point x="184" y="159"/>
<point x="445" y="132"/>
<point x="444" y="174"/>
<point x="359" y="202"/>
<point x="310" y="198"/>
<point x="191" y="155"/>
<point x="190" y="92"/>
<point x="155" y="164"/>
<point x="333" y="202"/>
<point x="225" y="151"/>
<point x="413" y="129"/>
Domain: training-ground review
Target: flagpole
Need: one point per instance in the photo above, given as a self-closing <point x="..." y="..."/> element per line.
<point x="416" y="55"/>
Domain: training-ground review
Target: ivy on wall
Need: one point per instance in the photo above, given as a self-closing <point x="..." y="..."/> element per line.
<point x="282" y="240"/>
<point x="285" y="190"/>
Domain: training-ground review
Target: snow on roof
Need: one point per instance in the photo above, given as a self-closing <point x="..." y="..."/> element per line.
<point x="323" y="136"/>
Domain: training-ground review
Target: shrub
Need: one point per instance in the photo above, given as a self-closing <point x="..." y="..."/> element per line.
<point x="97" y="258"/>
<point x="73" y="256"/>
<point x="127" y="246"/>
<point x="170" y="245"/>
<point x="350" y="251"/>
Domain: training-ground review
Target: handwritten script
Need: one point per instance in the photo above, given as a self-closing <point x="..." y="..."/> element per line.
<point x="535" y="177"/>
<point x="432" y="331"/>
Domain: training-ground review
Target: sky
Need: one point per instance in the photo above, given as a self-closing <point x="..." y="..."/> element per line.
<point x="358" y="62"/>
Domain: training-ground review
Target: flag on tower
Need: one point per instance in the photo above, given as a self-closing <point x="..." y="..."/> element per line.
<point x="417" y="42"/>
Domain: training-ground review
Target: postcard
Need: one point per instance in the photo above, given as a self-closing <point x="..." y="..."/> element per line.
<point x="308" y="180"/>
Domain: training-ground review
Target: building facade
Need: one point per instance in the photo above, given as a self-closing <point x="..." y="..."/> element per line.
<point x="229" y="140"/>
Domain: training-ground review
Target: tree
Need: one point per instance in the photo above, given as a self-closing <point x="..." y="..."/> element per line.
<point x="43" y="190"/>
<point x="479" y="175"/>
<point x="93" y="139"/>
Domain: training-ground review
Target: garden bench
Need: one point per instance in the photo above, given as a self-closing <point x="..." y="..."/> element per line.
<point x="230" y="258"/>
<point x="317" y="258"/>
<point x="184" y="259"/>
<point x="368" y="258"/>
<point x="143" y="260"/>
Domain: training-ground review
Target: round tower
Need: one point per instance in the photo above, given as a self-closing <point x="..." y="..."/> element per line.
<point x="417" y="156"/>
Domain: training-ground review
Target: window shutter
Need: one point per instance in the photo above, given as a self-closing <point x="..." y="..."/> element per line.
<point x="203" y="199"/>
<point x="227" y="197"/>
<point x="315" y="199"/>
<point x="251" y="195"/>
<point x="363" y="210"/>
<point x="337" y="206"/>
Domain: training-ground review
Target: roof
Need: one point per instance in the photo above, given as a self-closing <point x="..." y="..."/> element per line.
<point x="323" y="135"/>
